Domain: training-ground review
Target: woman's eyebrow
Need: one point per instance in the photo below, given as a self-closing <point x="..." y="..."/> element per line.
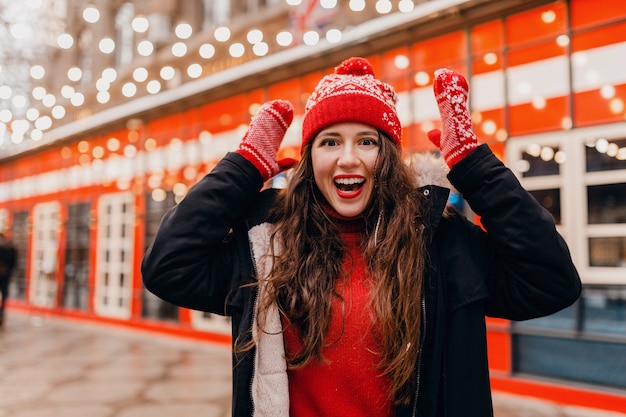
<point x="363" y="133"/>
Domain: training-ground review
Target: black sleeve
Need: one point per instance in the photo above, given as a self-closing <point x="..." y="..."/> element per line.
<point x="528" y="267"/>
<point x="200" y="249"/>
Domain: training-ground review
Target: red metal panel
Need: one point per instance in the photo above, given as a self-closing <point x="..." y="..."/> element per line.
<point x="442" y="51"/>
<point x="599" y="37"/>
<point x="487" y="37"/>
<point x="586" y="13"/>
<point x="290" y="90"/>
<point x="535" y="52"/>
<point x="526" y="119"/>
<point x="499" y="345"/>
<point x="399" y="78"/>
<point x="491" y="126"/>
<point x="536" y="24"/>
<point x="487" y="63"/>
<point x="590" y="107"/>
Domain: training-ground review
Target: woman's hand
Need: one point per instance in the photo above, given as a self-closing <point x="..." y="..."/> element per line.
<point x="456" y="138"/>
<point x="266" y="132"/>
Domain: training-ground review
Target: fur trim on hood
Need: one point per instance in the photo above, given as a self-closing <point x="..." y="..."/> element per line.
<point x="429" y="170"/>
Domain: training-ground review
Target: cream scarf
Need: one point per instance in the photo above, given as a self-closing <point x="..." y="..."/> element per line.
<point x="270" y="387"/>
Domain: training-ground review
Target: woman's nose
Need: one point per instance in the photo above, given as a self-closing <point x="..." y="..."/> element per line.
<point x="348" y="156"/>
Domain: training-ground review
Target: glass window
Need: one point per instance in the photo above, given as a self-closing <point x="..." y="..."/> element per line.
<point x="76" y="270"/>
<point x="604" y="309"/>
<point x="113" y="289"/>
<point x="151" y="305"/>
<point x="20" y="231"/>
<point x="569" y="359"/>
<point x="43" y="266"/>
<point x="607" y="251"/>
<point x="606" y="203"/>
<point x="540" y="160"/>
<point x="551" y="200"/>
<point x="562" y="320"/>
<point x="605" y="155"/>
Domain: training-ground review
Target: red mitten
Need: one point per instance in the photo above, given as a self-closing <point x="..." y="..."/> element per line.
<point x="456" y="139"/>
<point x="266" y="132"/>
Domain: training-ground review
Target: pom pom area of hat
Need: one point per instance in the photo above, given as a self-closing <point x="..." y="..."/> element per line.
<point x="355" y="66"/>
<point x="352" y="94"/>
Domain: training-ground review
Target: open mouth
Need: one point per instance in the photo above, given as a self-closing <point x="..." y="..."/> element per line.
<point x="349" y="185"/>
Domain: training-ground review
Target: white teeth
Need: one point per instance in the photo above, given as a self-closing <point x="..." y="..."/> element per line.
<point x="349" y="181"/>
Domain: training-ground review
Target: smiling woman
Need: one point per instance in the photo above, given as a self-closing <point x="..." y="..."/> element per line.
<point x="344" y="161"/>
<point x="356" y="290"/>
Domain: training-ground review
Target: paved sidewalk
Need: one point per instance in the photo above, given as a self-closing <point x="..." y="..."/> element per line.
<point x="52" y="367"/>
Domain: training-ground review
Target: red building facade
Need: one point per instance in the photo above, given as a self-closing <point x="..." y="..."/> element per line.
<point x="548" y="94"/>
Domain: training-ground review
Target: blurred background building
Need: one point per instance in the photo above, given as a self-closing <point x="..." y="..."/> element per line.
<point x="111" y="110"/>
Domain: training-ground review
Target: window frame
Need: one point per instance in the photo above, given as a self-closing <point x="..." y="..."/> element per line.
<point x="573" y="181"/>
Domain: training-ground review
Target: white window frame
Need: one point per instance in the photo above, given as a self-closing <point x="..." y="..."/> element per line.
<point x="573" y="181"/>
<point x="42" y="290"/>
<point x="112" y="297"/>
<point x="213" y="323"/>
<point x="4" y="220"/>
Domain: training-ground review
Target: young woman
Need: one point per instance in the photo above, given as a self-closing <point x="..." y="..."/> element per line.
<point x="356" y="291"/>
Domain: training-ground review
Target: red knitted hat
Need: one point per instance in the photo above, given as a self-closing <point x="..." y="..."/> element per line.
<point x="352" y="94"/>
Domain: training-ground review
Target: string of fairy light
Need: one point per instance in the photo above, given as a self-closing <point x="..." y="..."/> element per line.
<point x="28" y="109"/>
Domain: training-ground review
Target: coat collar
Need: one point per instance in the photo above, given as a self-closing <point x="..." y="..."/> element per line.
<point x="431" y="177"/>
<point x="429" y="169"/>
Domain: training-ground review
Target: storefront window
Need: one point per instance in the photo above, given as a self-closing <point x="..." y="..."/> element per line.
<point x="539" y="161"/>
<point x="20" y="232"/>
<point x="606" y="203"/>
<point x="607" y="251"/>
<point x="551" y="200"/>
<point x="562" y="320"/>
<point x="579" y="178"/>
<point x="604" y="309"/>
<point x="153" y="307"/>
<point x="605" y="155"/>
<point x="76" y="272"/>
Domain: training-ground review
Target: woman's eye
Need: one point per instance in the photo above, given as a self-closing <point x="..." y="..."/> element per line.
<point x="370" y="142"/>
<point x="328" y="142"/>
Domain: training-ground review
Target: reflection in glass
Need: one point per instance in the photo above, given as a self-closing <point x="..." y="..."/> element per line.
<point x="562" y="320"/>
<point x="540" y="161"/>
<point x="152" y="306"/>
<point x="606" y="204"/>
<point x="551" y="200"/>
<point x="607" y="251"/>
<point x="605" y="155"/>
<point x="604" y="309"/>
<point x="75" y="283"/>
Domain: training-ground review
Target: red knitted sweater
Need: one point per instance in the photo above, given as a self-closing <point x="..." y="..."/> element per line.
<point x="347" y="383"/>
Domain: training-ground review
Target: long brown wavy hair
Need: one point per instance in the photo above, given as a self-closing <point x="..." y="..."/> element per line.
<point x="302" y="281"/>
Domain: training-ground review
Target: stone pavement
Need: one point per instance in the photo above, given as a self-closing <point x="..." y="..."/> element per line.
<point x="53" y="367"/>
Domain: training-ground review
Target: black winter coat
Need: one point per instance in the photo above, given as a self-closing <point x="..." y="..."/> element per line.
<point x="517" y="268"/>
